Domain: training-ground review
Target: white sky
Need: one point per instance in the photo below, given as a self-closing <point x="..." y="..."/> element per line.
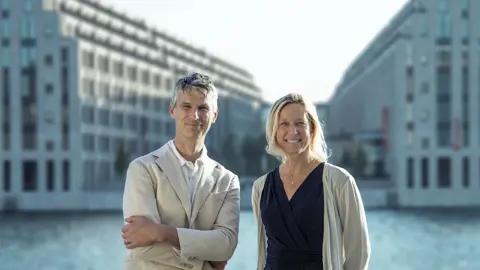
<point x="288" y="45"/>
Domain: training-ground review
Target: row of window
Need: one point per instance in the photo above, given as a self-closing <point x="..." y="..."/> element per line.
<point x="444" y="173"/>
<point x="27" y="5"/>
<point x="133" y="73"/>
<point x="450" y="132"/>
<point x="31" y="178"/>
<point x="28" y="80"/>
<point x="121" y="120"/>
<point x="105" y="144"/>
<point x="119" y="95"/>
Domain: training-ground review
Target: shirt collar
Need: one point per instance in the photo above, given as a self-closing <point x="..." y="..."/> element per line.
<point x="182" y="160"/>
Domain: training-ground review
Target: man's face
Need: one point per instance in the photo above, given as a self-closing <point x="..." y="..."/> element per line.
<point x="193" y="113"/>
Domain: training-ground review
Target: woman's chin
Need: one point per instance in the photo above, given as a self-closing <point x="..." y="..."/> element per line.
<point x="291" y="151"/>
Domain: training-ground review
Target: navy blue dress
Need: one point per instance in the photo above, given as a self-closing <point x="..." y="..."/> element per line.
<point x="294" y="228"/>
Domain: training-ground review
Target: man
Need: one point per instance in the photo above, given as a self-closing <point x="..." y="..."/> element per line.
<point x="182" y="208"/>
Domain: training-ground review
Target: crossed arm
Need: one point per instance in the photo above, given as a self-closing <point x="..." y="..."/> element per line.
<point x="217" y="244"/>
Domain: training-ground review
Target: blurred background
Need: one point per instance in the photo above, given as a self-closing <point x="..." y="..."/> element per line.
<point x="85" y="87"/>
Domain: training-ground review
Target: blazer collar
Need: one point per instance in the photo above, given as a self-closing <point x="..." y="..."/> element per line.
<point x="171" y="166"/>
<point x="181" y="159"/>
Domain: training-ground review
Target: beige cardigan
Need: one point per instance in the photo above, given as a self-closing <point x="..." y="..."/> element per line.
<point x="346" y="245"/>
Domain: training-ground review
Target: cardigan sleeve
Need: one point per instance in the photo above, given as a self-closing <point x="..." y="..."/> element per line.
<point x="354" y="222"/>
<point x="261" y="235"/>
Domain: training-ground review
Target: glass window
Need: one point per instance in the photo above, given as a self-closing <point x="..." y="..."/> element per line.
<point x="444" y="25"/>
<point x="410" y="173"/>
<point x="444" y="172"/>
<point x="28" y="5"/>
<point x="28" y="55"/>
<point x="28" y="27"/>
<point x="5" y="4"/>
<point x="465" y="28"/>
<point x="31" y="27"/>
<point x="409" y="111"/>
<point x="5" y="29"/>
<point x="443" y="5"/>
<point x="24" y="56"/>
<point x="5" y="57"/>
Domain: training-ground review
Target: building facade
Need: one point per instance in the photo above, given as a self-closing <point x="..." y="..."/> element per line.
<point x="82" y="83"/>
<point x="322" y="114"/>
<point x="410" y="101"/>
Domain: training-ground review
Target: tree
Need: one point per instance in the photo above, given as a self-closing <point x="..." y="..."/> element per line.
<point x="360" y="160"/>
<point x="272" y="162"/>
<point x="346" y="159"/>
<point x="229" y="154"/>
<point x="252" y="153"/>
<point x="122" y="160"/>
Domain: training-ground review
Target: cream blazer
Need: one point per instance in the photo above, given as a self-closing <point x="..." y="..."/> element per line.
<point x="155" y="188"/>
<point x="346" y="245"/>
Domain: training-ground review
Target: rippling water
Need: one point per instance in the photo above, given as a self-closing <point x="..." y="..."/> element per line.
<point x="417" y="240"/>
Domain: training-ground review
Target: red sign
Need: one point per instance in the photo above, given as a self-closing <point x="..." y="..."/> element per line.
<point x="457" y="132"/>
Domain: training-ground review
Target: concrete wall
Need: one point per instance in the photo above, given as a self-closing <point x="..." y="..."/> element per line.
<point x="374" y="195"/>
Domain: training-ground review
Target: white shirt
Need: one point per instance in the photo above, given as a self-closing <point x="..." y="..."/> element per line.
<point x="191" y="171"/>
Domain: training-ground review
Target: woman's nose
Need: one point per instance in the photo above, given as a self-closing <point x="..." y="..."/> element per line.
<point x="293" y="130"/>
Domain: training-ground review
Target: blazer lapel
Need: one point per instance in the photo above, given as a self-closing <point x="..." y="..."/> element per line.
<point x="169" y="165"/>
<point x="205" y="186"/>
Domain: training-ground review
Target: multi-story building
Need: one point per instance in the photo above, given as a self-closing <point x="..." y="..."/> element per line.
<point x="80" y="80"/>
<point x="322" y="114"/>
<point x="411" y="100"/>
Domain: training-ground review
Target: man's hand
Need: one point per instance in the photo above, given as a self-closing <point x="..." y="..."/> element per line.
<point x="218" y="265"/>
<point x="141" y="232"/>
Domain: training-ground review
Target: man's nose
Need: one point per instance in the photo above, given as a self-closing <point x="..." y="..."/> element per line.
<point x="194" y="113"/>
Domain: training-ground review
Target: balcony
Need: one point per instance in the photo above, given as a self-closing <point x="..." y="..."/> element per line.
<point x="77" y="12"/>
<point x="232" y="67"/>
<point x="201" y="53"/>
<point x="96" y="5"/>
<point x="188" y="60"/>
<point x="210" y="69"/>
<point x="179" y="43"/>
<point x="105" y="42"/>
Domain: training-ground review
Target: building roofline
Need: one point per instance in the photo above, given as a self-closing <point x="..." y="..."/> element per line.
<point x="141" y="24"/>
<point x="381" y="41"/>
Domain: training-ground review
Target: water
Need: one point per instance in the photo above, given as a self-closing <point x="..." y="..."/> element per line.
<point x="400" y="240"/>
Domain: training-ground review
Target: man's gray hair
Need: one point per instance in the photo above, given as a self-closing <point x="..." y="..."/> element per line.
<point x="195" y="82"/>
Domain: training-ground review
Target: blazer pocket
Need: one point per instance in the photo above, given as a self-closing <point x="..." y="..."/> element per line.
<point x="218" y="196"/>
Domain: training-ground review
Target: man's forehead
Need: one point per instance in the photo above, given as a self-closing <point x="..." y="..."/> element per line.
<point x="195" y="97"/>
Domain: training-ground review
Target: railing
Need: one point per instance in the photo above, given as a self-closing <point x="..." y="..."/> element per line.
<point x="107" y="26"/>
<point x="120" y="48"/>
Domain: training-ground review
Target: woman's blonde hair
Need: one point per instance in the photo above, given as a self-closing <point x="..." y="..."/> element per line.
<point x="318" y="146"/>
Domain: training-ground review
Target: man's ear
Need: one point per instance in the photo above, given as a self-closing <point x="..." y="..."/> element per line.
<point x="215" y="115"/>
<point x="171" y="108"/>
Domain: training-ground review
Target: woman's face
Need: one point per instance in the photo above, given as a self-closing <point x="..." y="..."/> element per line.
<point x="293" y="132"/>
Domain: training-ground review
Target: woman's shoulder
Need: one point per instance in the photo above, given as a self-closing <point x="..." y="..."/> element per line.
<point x="260" y="182"/>
<point x="337" y="174"/>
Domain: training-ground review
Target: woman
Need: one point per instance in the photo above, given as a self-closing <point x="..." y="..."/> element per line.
<point x="309" y="213"/>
